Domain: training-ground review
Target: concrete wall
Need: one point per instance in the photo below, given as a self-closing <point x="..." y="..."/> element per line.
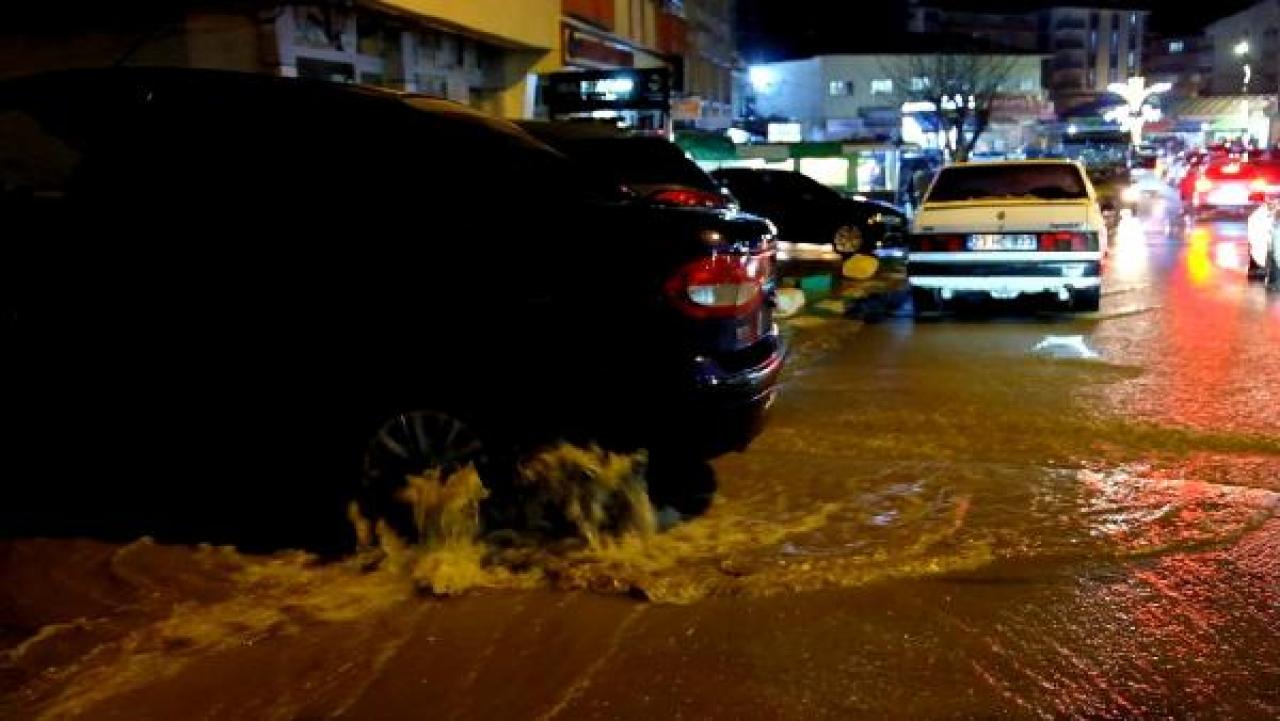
<point x="533" y="24"/>
<point x="792" y="90"/>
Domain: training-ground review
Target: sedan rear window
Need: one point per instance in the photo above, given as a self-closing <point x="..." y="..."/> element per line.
<point x="1042" y="181"/>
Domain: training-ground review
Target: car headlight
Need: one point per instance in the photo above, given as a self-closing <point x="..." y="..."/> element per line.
<point x="848" y="239"/>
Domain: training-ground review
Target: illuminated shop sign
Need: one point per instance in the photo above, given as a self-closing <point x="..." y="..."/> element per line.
<point x="589" y="91"/>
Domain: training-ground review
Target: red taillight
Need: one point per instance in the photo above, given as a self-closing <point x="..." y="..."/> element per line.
<point x="938" y="243"/>
<point x="1203" y="185"/>
<point x="688" y="198"/>
<point x="721" y="286"/>
<point x="1066" y="242"/>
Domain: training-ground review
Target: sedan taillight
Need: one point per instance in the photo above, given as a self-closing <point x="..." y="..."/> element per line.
<point x="688" y="198"/>
<point x="720" y="286"/>
<point x="1068" y="242"/>
<point x="938" y="243"/>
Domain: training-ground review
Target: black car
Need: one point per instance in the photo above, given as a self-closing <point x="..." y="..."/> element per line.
<point x="806" y="211"/>
<point x="654" y="169"/>
<point x="231" y="302"/>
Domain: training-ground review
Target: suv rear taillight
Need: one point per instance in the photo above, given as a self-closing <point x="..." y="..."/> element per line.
<point x="720" y="286"/>
<point x="938" y="243"/>
<point x="1068" y="242"/>
<point x="688" y="198"/>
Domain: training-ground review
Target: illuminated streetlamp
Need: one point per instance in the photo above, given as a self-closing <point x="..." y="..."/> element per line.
<point x="1136" y="112"/>
<point x="1241" y="50"/>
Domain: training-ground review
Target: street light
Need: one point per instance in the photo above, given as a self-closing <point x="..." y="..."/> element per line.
<point x="1136" y="112"/>
<point x="1241" y="51"/>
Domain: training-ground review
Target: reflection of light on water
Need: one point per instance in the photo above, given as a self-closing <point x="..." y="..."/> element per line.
<point x="1130" y="252"/>
<point x="1065" y="346"/>
<point x="1227" y="256"/>
<point x="1199" y="265"/>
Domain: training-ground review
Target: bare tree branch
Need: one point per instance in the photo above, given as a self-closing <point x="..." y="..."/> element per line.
<point x="962" y="89"/>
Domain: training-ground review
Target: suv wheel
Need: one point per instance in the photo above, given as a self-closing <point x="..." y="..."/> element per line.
<point x="413" y="444"/>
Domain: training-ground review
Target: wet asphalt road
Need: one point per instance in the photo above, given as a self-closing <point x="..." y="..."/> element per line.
<point x="998" y="517"/>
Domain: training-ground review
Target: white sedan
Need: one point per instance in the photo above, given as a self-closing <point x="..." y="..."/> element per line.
<point x="1000" y="231"/>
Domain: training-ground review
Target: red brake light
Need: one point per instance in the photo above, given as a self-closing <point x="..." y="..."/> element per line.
<point x="938" y="243"/>
<point x="1068" y="242"/>
<point x="688" y="198"/>
<point x="721" y="286"/>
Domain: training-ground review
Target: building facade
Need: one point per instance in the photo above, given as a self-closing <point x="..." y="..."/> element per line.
<point x="1091" y="48"/>
<point x="1183" y="61"/>
<point x="482" y="52"/>
<point x="1246" y="51"/>
<point x="1088" y="47"/>
<point x="845" y="97"/>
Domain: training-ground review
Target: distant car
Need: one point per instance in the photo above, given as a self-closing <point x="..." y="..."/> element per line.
<point x="654" y="169"/>
<point x="1231" y="188"/>
<point x="806" y="211"/>
<point x="219" y="314"/>
<point x="1001" y="231"/>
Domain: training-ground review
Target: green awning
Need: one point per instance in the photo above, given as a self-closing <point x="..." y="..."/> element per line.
<point x="707" y="147"/>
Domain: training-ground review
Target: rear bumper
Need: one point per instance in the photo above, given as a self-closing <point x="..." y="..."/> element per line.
<point x="1007" y="279"/>
<point x="724" y="409"/>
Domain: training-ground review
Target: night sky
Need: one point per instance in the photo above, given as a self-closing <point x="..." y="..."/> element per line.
<point x="775" y="29"/>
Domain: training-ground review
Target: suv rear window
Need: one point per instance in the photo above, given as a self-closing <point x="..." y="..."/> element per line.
<point x="1043" y="181"/>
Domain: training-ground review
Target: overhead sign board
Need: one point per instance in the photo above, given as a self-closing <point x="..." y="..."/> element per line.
<point x="593" y="90"/>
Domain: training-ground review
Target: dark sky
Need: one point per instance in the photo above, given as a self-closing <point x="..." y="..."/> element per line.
<point x="771" y="29"/>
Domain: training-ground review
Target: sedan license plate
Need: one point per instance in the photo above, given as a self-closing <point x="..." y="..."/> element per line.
<point x="1003" y="242"/>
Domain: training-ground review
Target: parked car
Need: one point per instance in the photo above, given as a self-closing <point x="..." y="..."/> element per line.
<point x="233" y="302"/>
<point x="1264" y="242"/>
<point x="654" y="169"/>
<point x="806" y="211"/>
<point x="1002" y="231"/>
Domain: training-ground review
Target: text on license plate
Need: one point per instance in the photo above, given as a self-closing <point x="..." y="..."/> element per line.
<point x="1003" y="241"/>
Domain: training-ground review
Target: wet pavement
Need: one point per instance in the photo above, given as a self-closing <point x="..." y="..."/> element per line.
<point x="1001" y="517"/>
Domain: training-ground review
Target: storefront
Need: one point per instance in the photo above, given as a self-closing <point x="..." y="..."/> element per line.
<point x="1247" y="118"/>
<point x="870" y="169"/>
<point x="635" y="98"/>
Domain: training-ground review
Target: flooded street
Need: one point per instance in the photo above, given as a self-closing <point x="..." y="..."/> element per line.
<point x="1012" y="517"/>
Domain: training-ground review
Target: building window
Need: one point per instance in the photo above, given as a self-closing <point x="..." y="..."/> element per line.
<point x="1176" y="46"/>
<point x="1027" y="85"/>
<point x="839" y="88"/>
<point x="919" y="84"/>
<point x="881" y="87"/>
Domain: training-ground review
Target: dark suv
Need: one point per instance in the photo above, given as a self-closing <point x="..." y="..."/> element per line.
<point x="240" y="299"/>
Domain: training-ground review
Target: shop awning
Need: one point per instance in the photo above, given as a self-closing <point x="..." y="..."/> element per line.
<point x="708" y="147"/>
<point x="1212" y="108"/>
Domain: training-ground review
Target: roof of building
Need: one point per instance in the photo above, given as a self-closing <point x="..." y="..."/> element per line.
<point x="911" y="44"/>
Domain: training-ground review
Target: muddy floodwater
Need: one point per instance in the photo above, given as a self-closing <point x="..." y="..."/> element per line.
<point x="1008" y="517"/>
